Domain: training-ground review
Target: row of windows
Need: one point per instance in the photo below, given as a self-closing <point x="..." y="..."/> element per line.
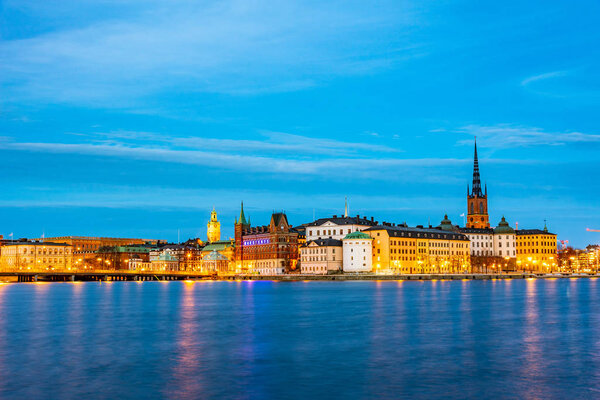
<point x="536" y="251"/>
<point x="330" y="232"/>
<point x="319" y="250"/>
<point x="543" y="243"/>
<point x="317" y="258"/>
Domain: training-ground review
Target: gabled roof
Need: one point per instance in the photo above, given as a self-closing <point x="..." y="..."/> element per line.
<point x="279" y="219"/>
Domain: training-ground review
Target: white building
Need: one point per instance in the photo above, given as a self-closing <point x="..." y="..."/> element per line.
<point x="337" y="227"/>
<point x="358" y="252"/>
<point x="488" y="242"/>
<point x="320" y="256"/>
<point x="505" y="242"/>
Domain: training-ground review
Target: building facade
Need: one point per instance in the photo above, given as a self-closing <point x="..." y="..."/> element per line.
<point x="407" y="250"/>
<point x="321" y="256"/>
<point x="358" y="252"/>
<point x="536" y="250"/>
<point x="36" y="256"/>
<point x="266" y="250"/>
<point x="337" y="227"/>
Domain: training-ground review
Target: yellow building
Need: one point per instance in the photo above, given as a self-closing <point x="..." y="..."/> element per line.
<point x="400" y="249"/>
<point x="36" y="256"/>
<point x="536" y="250"/>
<point x="213" y="231"/>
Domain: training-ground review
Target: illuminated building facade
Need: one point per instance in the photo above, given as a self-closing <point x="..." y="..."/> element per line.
<point x="337" y="227"/>
<point x="266" y="250"/>
<point x="113" y="258"/>
<point x="186" y="257"/>
<point x="536" y="250"/>
<point x="321" y="256"/>
<point x="213" y="231"/>
<point x="36" y="256"/>
<point x="407" y="250"/>
<point x="358" y="252"/>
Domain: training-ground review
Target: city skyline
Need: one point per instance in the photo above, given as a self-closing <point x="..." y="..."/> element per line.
<point x="111" y="128"/>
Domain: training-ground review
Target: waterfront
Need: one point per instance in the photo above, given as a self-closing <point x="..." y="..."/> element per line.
<point x="534" y="338"/>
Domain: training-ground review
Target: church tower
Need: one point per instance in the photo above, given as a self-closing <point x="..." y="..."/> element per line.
<point x="477" y="207"/>
<point x="213" y="231"/>
<point x="241" y="224"/>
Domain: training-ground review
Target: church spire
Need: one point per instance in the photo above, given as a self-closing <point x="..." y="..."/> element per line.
<point x="346" y="208"/>
<point x="476" y="178"/>
<point x="242" y="219"/>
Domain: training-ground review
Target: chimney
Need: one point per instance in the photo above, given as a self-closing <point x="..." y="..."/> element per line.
<point x="372" y="219"/>
<point x="335" y="216"/>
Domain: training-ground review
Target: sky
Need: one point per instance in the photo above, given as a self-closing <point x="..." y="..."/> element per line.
<point x="136" y="118"/>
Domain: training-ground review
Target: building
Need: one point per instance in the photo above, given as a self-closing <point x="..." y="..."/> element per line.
<point x="337" y="227"/>
<point x="358" y="252"/>
<point x="477" y="205"/>
<point x="213" y="231"/>
<point x="36" y="256"/>
<point x="536" y="250"/>
<point x="407" y="250"/>
<point x="267" y="250"/>
<point x="164" y="262"/>
<point x="85" y="248"/>
<point x="215" y="262"/>
<point x="224" y="247"/>
<point x="186" y="257"/>
<point x="505" y="242"/>
<point x="492" y="250"/>
<point x="114" y="257"/>
<point x="321" y="256"/>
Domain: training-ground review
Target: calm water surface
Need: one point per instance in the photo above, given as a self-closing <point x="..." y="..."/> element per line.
<point x="303" y="340"/>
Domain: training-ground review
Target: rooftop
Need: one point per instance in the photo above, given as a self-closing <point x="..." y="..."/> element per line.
<point x="341" y="220"/>
<point x="324" y="242"/>
<point x="533" y="232"/>
<point x="430" y="233"/>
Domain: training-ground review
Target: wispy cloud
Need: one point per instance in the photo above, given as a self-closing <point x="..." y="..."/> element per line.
<point x="235" y="47"/>
<point x="544" y="76"/>
<point x="507" y="136"/>
<point x="274" y="142"/>
<point x="355" y="166"/>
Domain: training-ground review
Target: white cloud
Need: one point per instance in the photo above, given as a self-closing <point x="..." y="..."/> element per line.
<point x="507" y="136"/>
<point x="234" y="47"/>
<point x="545" y="76"/>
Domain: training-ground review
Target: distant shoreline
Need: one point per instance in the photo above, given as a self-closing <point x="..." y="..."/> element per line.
<point x="404" y="277"/>
<point x="6" y="278"/>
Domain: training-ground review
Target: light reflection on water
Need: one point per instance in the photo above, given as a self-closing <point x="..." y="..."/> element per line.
<point x="444" y="339"/>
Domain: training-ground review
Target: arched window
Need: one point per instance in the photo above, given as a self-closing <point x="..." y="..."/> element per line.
<point x="480" y="208"/>
<point x="472" y="208"/>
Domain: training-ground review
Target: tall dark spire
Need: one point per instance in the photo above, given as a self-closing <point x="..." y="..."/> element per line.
<point x="242" y="219"/>
<point x="476" y="178"/>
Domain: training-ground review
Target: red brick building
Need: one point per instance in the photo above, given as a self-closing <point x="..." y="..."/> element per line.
<point x="267" y="250"/>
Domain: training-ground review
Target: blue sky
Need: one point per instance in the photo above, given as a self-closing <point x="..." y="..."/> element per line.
<point x="136" y="118"/>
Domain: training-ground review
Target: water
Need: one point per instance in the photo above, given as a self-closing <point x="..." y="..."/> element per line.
<point x="302" y="340"/>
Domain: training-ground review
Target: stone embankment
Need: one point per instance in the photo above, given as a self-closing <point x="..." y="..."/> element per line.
<point x="403" y="277"/>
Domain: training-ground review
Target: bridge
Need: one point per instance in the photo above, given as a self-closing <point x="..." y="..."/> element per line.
<point x="105" y="275"/>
